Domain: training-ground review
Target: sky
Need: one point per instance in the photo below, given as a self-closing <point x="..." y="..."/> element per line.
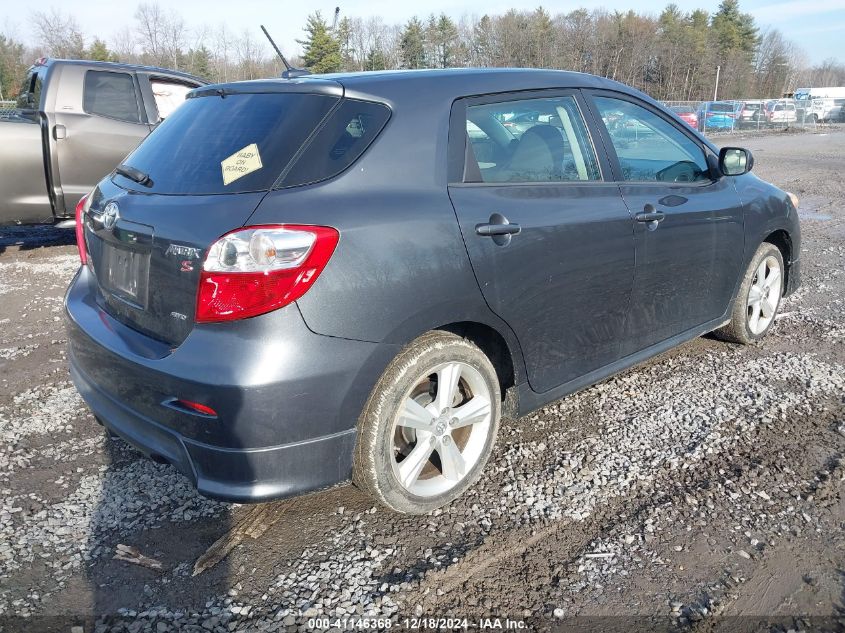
<point x="818" y="26"/>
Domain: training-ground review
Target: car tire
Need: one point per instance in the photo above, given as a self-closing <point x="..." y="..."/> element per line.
<point x="757" y="303"/>
<point x="418" y="447"/>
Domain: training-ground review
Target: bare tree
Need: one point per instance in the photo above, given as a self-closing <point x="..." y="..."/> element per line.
<point x="59" y="34"/>
<point x="161" y="35"/>
<point x="671" y="56"/>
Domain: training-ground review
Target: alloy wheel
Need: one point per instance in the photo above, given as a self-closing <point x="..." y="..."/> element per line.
<point x="763" y="295"/>
<point x="441" y="429"/>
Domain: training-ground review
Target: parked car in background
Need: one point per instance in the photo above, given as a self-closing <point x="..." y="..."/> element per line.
<point x="296" y="282"/>
<point x="73" y="123"/>
<point x="686" y="114"/>
<point x="780" y="112"/>
<point x="751" y="113"/>
<point x="717" y="115"/>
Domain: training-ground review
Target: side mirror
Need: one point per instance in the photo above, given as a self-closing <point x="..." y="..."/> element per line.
<point x="735" y="161"/>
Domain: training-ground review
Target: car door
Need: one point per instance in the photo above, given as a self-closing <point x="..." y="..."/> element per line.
<point x="92" y="142"/>
<point x="688" y="224"/>
<point x="549" y="239"/>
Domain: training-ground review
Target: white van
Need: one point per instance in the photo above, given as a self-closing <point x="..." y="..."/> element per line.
<point x="819" y="104"/>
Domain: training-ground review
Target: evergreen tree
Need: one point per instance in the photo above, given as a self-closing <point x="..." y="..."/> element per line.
<point x="734" y="31"/>
<point x="443" y="35"/>
<point x="412" y="45"/>
<point x="375" y="60"/>
<point x="343" y="35"/>
<point x="321" y="49"/>
<point x="100" y="52"/>
<point x="483" y="42"/>
<point x="200" y="64"/>
<point x="542" y="39"/>
<point x="12" y="67"/>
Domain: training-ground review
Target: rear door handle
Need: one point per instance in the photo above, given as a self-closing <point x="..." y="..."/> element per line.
<point x="489" y="230"/>
<point x="651" y="216"/>
<point x="498" y="228"/>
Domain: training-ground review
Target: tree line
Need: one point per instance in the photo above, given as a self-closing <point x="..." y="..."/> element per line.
<point x="672" y="56"/>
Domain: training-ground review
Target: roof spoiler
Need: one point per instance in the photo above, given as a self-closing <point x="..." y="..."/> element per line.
<point x="290" y="72"/>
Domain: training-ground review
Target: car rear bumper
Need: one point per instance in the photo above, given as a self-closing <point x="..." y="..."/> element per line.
<point x="230" y="474"/>
<point x="287" y="400"/>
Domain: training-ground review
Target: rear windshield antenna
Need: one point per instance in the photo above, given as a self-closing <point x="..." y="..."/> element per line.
<point x="290" y="72"/>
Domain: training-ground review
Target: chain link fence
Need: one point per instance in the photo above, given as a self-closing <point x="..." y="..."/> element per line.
<point x="6" y="108"/>
<point x="759" y="115"/>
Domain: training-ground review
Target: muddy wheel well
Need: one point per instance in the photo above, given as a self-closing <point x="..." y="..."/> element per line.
<point x="782" y="240"/>
<point x="496" y="349"/>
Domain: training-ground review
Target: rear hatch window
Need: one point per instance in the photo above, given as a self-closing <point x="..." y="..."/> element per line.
<point x="250" y="142"/>
<point x="226" y="144"/>
<point x="210" y="162"/>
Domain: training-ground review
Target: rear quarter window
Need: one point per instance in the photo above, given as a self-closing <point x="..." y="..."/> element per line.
<point x="339" y="142"/>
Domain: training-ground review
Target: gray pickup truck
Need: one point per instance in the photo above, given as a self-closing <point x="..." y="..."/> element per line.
<point x="73" y="123"/>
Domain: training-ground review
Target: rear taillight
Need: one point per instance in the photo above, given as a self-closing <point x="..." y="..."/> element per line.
<point x="81" y="208"/>
<point x="261" y="268"/>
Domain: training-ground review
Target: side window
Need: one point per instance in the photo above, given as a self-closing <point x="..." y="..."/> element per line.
<point x="30" y="94"/>
<point x="168" y="96"/>
<point x="111" y="95"/>
<point x="650" y="148"/>
<point x="339" y="143"/>
<point x="531" y="140"/>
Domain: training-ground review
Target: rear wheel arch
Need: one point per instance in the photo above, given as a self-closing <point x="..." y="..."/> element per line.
<point x="500" y="353"/>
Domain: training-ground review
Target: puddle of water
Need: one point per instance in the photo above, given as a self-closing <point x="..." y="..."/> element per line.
<point x="810" y="215"/>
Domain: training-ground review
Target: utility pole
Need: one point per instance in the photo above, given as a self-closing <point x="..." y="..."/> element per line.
<point x="716" y="89"/>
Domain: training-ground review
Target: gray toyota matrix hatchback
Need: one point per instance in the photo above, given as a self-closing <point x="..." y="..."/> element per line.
<point x="296" y="282"/>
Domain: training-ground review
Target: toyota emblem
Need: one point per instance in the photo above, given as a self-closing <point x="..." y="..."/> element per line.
<point x="110" y="215"/>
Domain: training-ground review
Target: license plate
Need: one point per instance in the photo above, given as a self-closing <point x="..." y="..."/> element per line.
<point x="126" y="274"/>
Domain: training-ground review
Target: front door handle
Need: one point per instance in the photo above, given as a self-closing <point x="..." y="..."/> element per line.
<point x="59" y="132"/>
<point x="498" y="228"/>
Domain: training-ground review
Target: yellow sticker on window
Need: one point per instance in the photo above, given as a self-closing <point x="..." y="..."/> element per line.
<point x="243" y="162"/>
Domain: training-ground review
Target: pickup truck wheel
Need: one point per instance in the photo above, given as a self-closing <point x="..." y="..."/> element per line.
<point x="429" y="425"/>
<point x="759" y="296"/>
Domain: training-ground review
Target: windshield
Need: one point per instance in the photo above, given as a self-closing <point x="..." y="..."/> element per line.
<point x="230" y="144"/>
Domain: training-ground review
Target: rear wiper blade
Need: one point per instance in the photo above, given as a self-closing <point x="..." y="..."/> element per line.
<point x="134" y="174"/>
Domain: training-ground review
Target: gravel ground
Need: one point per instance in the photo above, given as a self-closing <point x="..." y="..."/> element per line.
<point x="702" y="490"/>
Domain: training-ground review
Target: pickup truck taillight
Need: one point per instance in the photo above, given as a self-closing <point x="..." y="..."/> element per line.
<point x="81" y="208"/>
<point x="258" y="269"/>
